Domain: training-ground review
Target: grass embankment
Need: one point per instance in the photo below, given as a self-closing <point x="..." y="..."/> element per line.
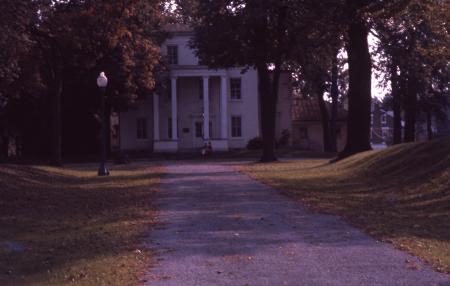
<point x="400" y="195"/>
<point x="66" y="226"/>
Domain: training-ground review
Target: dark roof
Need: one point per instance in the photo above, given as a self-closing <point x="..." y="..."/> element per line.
<point x="308" y="110"/>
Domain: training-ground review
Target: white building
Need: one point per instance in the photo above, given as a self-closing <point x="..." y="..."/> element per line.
<point x="225" y="98"/>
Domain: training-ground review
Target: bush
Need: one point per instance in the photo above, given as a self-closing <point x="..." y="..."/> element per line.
<point x="121" y="158"/>
<point x="255" y="144"/>
<point x="284" y="139"/>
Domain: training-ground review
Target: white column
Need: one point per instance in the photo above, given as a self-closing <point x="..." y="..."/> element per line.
<point x="206" y="107"/>
<point x="155" y="117"/>
<point x="224" y="107"/>
<point x="174" y="108"/>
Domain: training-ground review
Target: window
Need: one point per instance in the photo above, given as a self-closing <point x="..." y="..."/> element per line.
<point x="198" y="129"/>
<point x="141" y="128"/>
<point x="303" y="132"/>
<point x="383" y="118"/>
<point x="210" y="130"/>
<point x="235" y="88"/>
<point x="169" y="128"/>
<point x="172" y="55"/>
<point x="236" y="126"/>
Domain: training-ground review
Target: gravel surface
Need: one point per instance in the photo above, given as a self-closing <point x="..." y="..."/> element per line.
<point x="219" y="227"/>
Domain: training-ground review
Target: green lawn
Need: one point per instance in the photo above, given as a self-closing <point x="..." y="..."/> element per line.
<point x="66" y="226"/>
<point x="400" y="195"/>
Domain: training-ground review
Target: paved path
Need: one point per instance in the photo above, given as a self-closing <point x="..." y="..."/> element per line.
<point x="220" y="227"/>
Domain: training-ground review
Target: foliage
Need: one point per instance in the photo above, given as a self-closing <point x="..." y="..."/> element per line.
<point x="283" y="141"/>
<point x="64" y="46"/>
<point x="250" y="34"/>
<point x="255" y="144"/>
<point x="15" y="41"/>
<point x="415" y="53"/>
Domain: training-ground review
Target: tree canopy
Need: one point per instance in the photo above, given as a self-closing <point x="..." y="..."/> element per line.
<point x="62" y="46"/>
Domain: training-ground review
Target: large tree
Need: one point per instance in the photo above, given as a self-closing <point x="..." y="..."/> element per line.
<point x="315" y="59"/>
<point x="415" y="59"/>
<point x="249" y="34"/>
<point x="74" y="41"/>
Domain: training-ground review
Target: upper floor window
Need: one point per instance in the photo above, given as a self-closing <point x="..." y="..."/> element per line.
<point x="172" y="55"/>
<point x="141" y="128"/>
<point x="235" y="88"/>
<point x="383" y="119"/>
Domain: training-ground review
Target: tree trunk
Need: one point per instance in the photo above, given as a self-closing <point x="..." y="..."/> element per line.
<point x="3" y="138"/>
<point x="411" y="109"/>
<point x="396" y="105"/>
<point x="268" y="111"/>
<point x="325" y="120"/>
<point x="4" y="143"/>
<point x="268" y="83"/>
<point x="359" y="94"/>
<point x="56" y="158"/>
<point x="56" y="124"/>
<point x="429" y="125"/>
<point x="334" y="93"/>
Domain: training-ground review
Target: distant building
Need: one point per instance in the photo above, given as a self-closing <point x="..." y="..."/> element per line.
<point x="199" y="105"/>
<point x="443" y="124"/>
<point x="307" y="131"/>
<point x="382" y="124"/>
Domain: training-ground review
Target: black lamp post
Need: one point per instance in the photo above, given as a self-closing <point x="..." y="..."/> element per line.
<point x="102" y="83"/>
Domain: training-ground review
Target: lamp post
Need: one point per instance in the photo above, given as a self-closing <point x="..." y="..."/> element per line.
<point x="102" y="83"/>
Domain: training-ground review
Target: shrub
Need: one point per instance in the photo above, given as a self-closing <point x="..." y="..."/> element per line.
<point x="121" y="158"/>
<point x="284" y="139"/>
<point x="255" y="143"/>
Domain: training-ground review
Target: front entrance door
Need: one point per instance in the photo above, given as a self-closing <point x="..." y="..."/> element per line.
<point x="198" y="133"/>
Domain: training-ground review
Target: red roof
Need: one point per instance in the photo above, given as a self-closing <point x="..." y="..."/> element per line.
<point x="308" y="110"/>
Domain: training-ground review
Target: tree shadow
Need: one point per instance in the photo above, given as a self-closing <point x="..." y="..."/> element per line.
<point x="65" y="220"/>
<point x="215" y="214"/>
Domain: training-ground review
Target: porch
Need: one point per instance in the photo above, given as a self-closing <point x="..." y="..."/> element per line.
<point x="195" y="97"/>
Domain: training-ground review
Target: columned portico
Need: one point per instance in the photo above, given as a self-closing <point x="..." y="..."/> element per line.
<point x="175" y="121"/>
<point x="223" y="108"/>
<point x="194" y="104"/>
<point x="206" y="134"/>
<point x="156" y="117"/>
<point x="170" y="144"/>
<point x="174" y="102"/>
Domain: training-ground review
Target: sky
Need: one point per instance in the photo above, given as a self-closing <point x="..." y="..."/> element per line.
<point x="377" y="91"/>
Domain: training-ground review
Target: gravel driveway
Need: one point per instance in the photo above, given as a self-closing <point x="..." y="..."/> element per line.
<point x="219" y="227"/>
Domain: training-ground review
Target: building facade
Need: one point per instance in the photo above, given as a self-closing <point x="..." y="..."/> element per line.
<point x="200" y="105"/>
<point x="307" y="130"/>
<point x="382" y="122"/>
